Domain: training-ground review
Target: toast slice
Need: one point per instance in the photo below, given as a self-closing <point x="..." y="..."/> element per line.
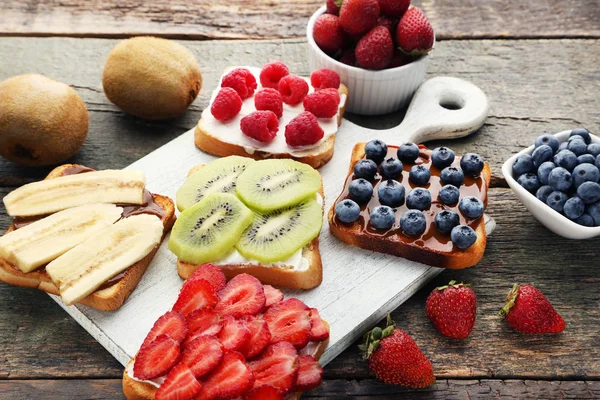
<point x="208" y="140"/>
<point x="431" y="248"/>
<point x="114" y="293"/>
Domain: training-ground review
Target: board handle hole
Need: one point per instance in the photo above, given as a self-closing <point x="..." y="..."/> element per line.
<point x="452" y="103"/>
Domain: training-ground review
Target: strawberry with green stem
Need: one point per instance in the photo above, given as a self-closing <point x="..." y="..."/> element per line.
<point x="528" y="311"/>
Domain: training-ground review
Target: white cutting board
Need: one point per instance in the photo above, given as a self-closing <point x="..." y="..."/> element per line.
<point x="359" y="287"/>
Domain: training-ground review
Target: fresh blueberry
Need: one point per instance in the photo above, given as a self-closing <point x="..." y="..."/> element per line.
<point x="583" y="133"/>
<point x="530" y="182"/>
<point x="566" y="159"/>
<point x="452" y="176"/>
<point x="413" y="222"/>
<point x="544" y="171"/>
<point x="463" y="236"/>
<point x="574" y="207"/>
<point x="376" y="150"/>
<point x="449" y="194"/>
<point x="445" y="220"/>
<point x="585" y="220"/>
<point x="585" y="173"/>
<point x="586" y="159"/>
<point x="594" y="211"/>
<point x="543" y="192"/>
<point x="408" y="152"/>
<point x="594" y="149"/>
<point x="577" y="146"/>
<point x="556" y="200"/>
<point x="360" y="190"/>
<point x="471" y="207"/>
<point x="563" y="146"/>
<point x="547" y="140"/>
<point x="471" y="164"/>
<point x="365" y="169"/>
<point x="419" y="174"/>
<point x="589" y="192"/>
<point x="382" y="217"/>
<point x="560" y="179"/>
<point x="347" y="211"/>
<point x="523" y="164"/>
<point x="541" y="155"/>
<point x="597" y="163"/>
<point x="391" y="193"/>
<point x="419" y="199"/>
<point x="442" y="157"/>
<point x="391" y="168"/>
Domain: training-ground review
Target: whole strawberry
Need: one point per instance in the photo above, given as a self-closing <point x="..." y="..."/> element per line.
<point x="528" y="311"/>
<point x="328" y="33"/>
<point x="333" y="6"/>
<point x="357" y="17"/>
<point x="394" y="8"/>
<point x="376" y="49"/>
<point x="452" y="309"/>
<point x="414" y="33"/>
<point x="395" y="358"/>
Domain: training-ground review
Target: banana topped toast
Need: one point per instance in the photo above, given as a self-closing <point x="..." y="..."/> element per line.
<point x="415" y="203"/>
<point x="85" y="235"/>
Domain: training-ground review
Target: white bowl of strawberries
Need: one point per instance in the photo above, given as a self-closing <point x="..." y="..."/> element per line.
<point x="378" y="47"/>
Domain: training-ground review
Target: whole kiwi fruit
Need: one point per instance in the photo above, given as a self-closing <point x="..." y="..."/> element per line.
<point x="151" y="78"/>
<point x="42" y="121"/>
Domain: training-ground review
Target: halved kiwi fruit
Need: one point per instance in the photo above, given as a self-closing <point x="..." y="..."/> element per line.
<point x="277" y="235"/>
<point x="268" y="185"/>
<point x="220" y="176"/>
<point x="208" y="230"/>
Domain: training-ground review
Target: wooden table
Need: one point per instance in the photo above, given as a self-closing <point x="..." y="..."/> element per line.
<point x="538" y="61"/>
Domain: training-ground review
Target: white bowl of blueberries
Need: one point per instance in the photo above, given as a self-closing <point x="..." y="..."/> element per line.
<point x="558" y="180"/>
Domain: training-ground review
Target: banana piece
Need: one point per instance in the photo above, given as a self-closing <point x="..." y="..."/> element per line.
<point x="81" y="270"/>
<point x="52" y="195"/>
<point x="42" y="241"/>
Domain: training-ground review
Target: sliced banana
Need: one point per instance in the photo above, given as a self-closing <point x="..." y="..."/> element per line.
<point x="42" y="241"/>
<point x="81" y="270"/>
<point x="52" y="195"/>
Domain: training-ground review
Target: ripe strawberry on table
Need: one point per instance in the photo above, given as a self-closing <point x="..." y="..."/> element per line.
<point x="528" y="311"/>
<point x="395" y="358"/>
<point x="414" y="33"/>
<point x="452" y="309"/>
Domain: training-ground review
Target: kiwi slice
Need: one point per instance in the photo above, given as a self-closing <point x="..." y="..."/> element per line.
<point x="220" y="176"/>
<point x="209" y="229"/>
<point x="272" y="184"/>
<point x="277" y="235"/>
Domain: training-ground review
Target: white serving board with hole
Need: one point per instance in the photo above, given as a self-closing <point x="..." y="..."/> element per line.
<point x="359" y="287"/>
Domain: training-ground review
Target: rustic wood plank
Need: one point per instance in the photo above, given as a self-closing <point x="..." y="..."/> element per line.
<point x="243" y="19"/>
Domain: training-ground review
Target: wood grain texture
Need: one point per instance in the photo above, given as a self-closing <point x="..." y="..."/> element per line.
<point x="252" y="19"/>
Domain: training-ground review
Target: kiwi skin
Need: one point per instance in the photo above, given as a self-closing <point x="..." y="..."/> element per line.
<point x="42" y="121"/>
<point x="151" y="78"/>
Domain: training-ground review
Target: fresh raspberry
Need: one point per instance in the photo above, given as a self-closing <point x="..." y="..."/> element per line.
<point x="333" y="7"/>
<point x="376" y="49"/>
<point x="358" y="17"/>
<point x="272" y="73"/>
<point x="323" y="104"/>
<point x="227" y="104"/>
<point x="400" y="58"/>
<point x="269" y="99"/>
<point x="394" y="8"/>
<point x="328" y="33"/>
<point x="348" y="57"/>
<point x="260" y="125"/>
<point x="325" y="78"/>
<point x="388" y="23"/>
<point x="303" y="130"/>
<point x="414" y="34"/>
<point x="292" y="89"/>
<point x="242" y="80"/>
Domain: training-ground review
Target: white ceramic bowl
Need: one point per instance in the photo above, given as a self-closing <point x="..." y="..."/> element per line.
<point x="371" y="92"/>
<point x="554" y="221"/>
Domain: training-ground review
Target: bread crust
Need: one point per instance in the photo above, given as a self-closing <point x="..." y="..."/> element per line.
<point x="108" y="299"/>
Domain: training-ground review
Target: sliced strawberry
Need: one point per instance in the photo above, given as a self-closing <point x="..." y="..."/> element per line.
<point x="243" y="295"/>
<point x="157" y="358"/>
<point x="289" y="321"/>
<point x="213" y="274"/>
<point x="232" y="378"/>
<point x="318" y="330"/>
<point x="264" y="393"/>
<point x="310" y="374"/>
<point x="260" y="337"/>
<point x="204" y="320"/>
<point x="202" y="355"/>
<point x="172" y="324"/>
<point x="234" y="334"/>
<point x="179" y="385"/>
<point x="272" y="295"/>
<point x="195" y="295"/>
<point x="277" y="367"/>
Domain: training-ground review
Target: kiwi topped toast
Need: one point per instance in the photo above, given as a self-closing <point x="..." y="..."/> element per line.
<point x="262" y="218"/>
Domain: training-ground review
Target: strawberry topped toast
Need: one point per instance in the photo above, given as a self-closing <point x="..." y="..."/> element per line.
<point x="270" y="113"/>
<point x="235" y="340"/>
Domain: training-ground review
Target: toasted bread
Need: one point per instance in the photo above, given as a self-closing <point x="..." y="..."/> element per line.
<point x="106" y="299"/>
<point x="453" y="258"/>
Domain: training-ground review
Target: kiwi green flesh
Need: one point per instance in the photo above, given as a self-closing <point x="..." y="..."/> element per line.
<point x="208" y="230"/>
<point x="277" y="235"/>
<point x="273" y="184"/>
<point x="220" y="176"/>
